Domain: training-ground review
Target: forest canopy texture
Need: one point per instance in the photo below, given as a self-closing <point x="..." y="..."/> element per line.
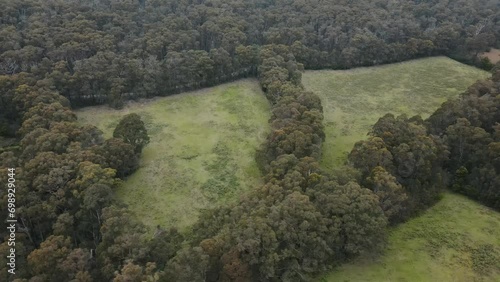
<point x="107" y="51"/>
<point x="56" y="55"/>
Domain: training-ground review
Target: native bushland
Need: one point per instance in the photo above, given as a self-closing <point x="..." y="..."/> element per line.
<point x="97" y="52"/>
<point x="55" y="55"/>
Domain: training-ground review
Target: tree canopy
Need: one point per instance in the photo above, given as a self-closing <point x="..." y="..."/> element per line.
<point x="58" y="54"/>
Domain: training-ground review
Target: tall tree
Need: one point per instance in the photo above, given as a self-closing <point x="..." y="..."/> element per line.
<point x="133" y="131"/>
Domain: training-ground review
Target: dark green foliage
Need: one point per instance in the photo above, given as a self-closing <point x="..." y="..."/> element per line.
<point x="470" y="127"/>
<point x="417" y="159"/>
<point x="163" y="246"/>
<point x="391" y="194"/>
<point x="366" y="155"/>
<point x="297" y="118"/>
<point x="118" y="155"/>
<point x="133" y="131"/>
<point x="115" y="51"/>
<point x="459" y="184"/>
<point x="360" y="220"/>
<point x="64" y="187"/>
<point x="486" y="64"/>
<point x="402" y="164"/>
<point x="189" y="265"/>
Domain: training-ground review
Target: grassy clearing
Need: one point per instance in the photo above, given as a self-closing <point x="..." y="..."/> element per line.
<point x="354" y="100"/>
<point x="201" y="152"/>
<point x="456" y="240"/>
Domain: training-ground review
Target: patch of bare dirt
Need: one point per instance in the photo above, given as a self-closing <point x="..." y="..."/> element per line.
<point x="493" y="55"/>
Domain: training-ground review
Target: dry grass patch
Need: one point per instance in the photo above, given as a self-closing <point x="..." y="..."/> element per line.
<point x="493" y="55"/>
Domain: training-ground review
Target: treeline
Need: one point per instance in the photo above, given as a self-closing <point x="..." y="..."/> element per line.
<point x="403" y="164"/>
<point x="302" y="221"/>
<point x="408" y="161"/>
<point x="108" y="51"/>
<point x="470" y="126"/>
<point x="305" y="220"/>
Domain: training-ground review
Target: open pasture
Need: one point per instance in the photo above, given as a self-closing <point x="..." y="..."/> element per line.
<point x="353" y="100"/>
<point x="202" y="150"/>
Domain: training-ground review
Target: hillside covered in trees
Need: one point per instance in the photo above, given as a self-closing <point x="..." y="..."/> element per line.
<point x="56" y="55"/>
<point x="107" y="51"/>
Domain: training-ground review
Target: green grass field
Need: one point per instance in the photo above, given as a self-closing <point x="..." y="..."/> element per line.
<point x="201" y="153"/>
<point x="353" y="100"/>
<point x="457" y="240"/>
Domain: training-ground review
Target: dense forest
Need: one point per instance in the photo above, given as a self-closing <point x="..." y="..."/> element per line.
<point x="107" y="51"/>
<point x="58" y="55"/>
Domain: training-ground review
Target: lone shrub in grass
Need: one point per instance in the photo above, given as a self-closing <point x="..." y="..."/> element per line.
<point x="133" y="131"/>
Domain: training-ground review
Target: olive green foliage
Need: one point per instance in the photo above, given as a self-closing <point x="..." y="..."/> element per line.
<point x="391" y="194"/>
<point x="455" y="240"/>
<point x="118" y="50"/>
<point x="401" y="159"/>
<point x="119" y="155"/>
<point x="302" y="220"/>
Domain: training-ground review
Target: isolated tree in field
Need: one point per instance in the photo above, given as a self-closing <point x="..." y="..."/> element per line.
<point x="133" y="131"/>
